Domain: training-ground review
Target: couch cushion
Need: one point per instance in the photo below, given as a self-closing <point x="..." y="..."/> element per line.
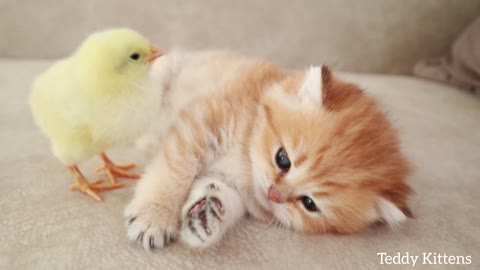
<point x="45" y="226"/>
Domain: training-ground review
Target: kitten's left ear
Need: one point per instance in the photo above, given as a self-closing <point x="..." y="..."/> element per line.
<point x="313" y="87"/>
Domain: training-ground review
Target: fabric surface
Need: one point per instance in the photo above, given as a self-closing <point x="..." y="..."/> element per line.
<point x="462" y="66"/>
<point x="46" y="226"/>
<point x="362" y="36"/>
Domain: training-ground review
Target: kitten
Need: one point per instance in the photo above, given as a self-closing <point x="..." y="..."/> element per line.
<point x="306" y="149"/>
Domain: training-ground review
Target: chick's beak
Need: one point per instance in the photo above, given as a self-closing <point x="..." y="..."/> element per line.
<point x="154" y="54"/>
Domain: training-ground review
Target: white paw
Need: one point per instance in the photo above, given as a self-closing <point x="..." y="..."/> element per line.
<point x="202" y="225"/>
<point x="201" y="222"/>
<point x="150" y="224"/>
<point x="209" y="212"/>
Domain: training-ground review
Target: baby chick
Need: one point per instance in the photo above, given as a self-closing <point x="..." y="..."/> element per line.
<point x="100" y="96"/>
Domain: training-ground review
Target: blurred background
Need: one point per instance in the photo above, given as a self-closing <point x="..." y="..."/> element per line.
<point x="381" y="36"/>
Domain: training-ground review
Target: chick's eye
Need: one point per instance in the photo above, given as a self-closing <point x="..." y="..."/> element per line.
<point x="135" y="56"/>
<point x="308" y="203"/>
<point x="281" y="158"/>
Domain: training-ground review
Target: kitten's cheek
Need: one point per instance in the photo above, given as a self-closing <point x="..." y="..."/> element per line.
<point x="261" y="194"/>
<point x="297" y="221"/>
<point x="258" y="185"/>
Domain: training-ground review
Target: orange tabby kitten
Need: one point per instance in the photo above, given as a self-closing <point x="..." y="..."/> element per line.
<point x="306" y="149"/>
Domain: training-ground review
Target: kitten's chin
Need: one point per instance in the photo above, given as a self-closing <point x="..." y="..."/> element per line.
<point x="278" y="212"/>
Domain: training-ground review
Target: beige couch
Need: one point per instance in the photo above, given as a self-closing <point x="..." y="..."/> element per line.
<point x="45" y="226"/>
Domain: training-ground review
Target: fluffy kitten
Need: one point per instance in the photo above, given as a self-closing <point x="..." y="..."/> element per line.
<point x="245" y="136"/>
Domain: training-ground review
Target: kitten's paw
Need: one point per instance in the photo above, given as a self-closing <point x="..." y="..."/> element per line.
<point x="150" y="224"/>
<point x="212" y="207"/>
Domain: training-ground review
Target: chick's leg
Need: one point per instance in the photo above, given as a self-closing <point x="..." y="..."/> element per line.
<point x="89" y="188"/>
<point x="114" y="170"/>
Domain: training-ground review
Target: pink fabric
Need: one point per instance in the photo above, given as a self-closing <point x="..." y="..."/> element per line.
<point x="461" y="67"/>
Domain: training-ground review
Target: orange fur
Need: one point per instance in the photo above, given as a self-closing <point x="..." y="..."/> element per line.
<point x="344" y="153"/>
<point x="352" y="153"/>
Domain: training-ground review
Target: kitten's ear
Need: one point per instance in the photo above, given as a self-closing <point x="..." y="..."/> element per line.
<point x="316" y="85"/>
<point x="390" y="213"/>
<point x="326" y="79"/>
<point x="311" y="89"/>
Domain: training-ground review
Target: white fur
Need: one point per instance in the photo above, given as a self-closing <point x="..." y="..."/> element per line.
<point x="389" y="212"/>
<point x="150" y="220"/>
<point x="232" y="205"/>
<point x="311" y="90"/>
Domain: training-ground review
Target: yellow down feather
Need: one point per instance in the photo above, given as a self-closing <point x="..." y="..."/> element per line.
<point x="98" y="97"/>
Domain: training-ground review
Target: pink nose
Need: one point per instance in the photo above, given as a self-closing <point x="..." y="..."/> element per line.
<point x="274" y="195"/>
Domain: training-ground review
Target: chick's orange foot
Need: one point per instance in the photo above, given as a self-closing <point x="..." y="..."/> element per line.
<point x="90" y="188"/>
<point x="113" y="170"/>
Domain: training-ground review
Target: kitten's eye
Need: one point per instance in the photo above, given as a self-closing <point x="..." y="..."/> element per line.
<point x="135" y="56"/>
<point x="308" y="203"/>
<point x="281" y="158"/>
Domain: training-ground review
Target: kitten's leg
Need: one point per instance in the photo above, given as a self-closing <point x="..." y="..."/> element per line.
<point x="210" y="210"/>
<point x="151" y="217"/>
<point x="193" y="142"/>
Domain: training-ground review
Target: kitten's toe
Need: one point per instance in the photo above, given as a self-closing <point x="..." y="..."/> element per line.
<point x="211" y="208"/>
<point x="150" y="225"/>
<point x="216" y="207"/>
<point x="203" y="219"/>
<point x="202" y="223"/>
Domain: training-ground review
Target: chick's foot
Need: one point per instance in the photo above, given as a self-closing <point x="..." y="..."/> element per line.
<point x="113" y="170"/>
<point x="90" y="188"/>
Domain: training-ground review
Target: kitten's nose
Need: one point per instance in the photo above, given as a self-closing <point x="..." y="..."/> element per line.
<point x="274" y="195"/>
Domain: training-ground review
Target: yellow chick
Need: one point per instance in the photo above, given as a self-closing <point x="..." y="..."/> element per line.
<point x="100" y="96"/>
